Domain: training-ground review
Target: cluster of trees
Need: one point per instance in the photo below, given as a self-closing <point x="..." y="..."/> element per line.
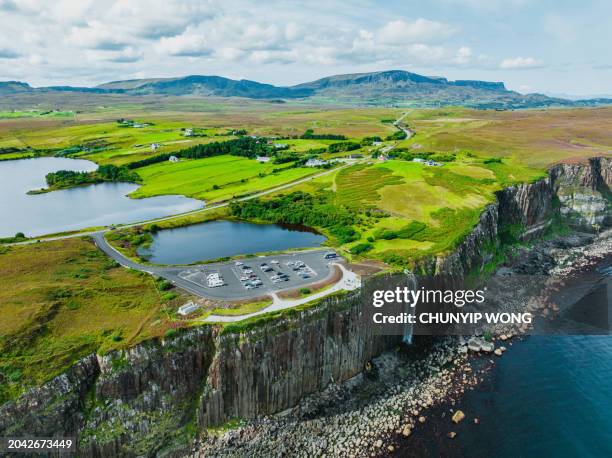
<point x="300" y="208"/>
<point x="368" y="141"/>
<point x="310" y="135"/>
<point x="399" y="135"/>
<point x="243" y="146"/>
<point x="69" y="179"/>
<point x="408" y="155"/>
<point x="343" y="146"/>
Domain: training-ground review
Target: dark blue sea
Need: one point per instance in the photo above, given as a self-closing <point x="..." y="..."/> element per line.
<point x="548" y="396"/>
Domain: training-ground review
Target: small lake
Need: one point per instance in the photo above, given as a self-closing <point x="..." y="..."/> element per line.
<point x="71" y="209"/>
<point x="218" y="239"/>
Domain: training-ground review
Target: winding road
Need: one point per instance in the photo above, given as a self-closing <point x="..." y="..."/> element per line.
<point x="348" y="281"/>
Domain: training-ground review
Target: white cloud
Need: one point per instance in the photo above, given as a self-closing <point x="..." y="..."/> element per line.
<point x="97" y="35"/>
<point x="464" y="56"/>
<point x="190" y="44"/>
<point x="418" y="31"/>
<point x="520" y="63"/>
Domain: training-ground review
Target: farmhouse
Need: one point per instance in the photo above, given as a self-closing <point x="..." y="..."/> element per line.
<point x="280" y="145"/>
<point x="188" y="133"/>
<point x="418" y="159"/>
<point x="187" y="308"/>
<point x="263" y="159"/>
<point x="173" y="159"/>
<point x="383" y="157"/>
<point x="315" y="163"/>
<point x="376" y="143"/>
<point x="155" y="146"/>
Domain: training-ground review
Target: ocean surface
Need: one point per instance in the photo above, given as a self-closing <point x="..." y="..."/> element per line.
<point x="548" y="396"/>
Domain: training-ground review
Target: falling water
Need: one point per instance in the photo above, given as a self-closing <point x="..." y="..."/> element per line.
<point x="412" y="283"/>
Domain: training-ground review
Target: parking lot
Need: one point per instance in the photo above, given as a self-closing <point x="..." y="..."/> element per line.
<point x="258" y="276"/>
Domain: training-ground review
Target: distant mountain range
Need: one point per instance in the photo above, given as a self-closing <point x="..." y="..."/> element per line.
<point x="386" y="88"/>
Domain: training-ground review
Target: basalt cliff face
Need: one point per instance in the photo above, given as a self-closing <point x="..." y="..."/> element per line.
<point x="575" y="194"/>
<point x="151" y="400"/>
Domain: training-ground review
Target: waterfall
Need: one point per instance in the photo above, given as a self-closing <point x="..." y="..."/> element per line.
<point x="412" y="283"/>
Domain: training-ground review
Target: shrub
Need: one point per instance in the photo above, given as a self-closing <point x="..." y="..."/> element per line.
<point x="361" y="248"/>
<point x="170" y="333"/>
<point x="304" y="291"/>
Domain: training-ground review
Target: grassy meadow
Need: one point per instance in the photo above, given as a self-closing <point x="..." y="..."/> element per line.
<point x="66" y="299"/>
<point x="215" y="178"/>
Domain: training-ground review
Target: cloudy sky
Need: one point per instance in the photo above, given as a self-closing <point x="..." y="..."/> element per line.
<point x="553" y="46"/>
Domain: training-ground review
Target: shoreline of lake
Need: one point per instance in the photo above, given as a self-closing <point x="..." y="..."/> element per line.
<point x="76" y="208"/>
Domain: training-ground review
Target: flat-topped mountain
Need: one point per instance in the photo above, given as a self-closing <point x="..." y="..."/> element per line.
<point x="384" y="88"/>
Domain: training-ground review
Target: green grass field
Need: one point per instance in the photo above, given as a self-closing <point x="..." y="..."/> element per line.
<point x="216" y="178"/>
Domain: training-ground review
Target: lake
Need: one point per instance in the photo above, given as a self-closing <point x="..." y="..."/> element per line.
<point x="218" y="239"/>
<point x="72" y="209"/>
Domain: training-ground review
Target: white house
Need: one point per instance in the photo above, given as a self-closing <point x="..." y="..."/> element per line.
<point x="280" y="145"/>
<point x="263" y="158"/>
<point x="187" y="308"/>
<point x="375" y="143"/>
<point x="155" y="146"/>
<point x="173" y="159"/>
<point x="315" y="163"/>
<point x="188" y="133"/>
<point x="418" y="159"/>
<point x="383" y="157"/>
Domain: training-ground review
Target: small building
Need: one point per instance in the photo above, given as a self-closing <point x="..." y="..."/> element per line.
<point x="155" y="146"/>
<point x="188" y="133"/>
<point x="280" y="145"/>
<point x="376" y="143"/>
<point x="188" y="308"/>
<point x="433" y="163"/>
<point x="263" y="159"/>
<point x="173" y="159"/>
<point x="383" y="158"/>
<point x="315" y="163"/>
<point x="418" y="159"/>
<point x="355" y="156"/>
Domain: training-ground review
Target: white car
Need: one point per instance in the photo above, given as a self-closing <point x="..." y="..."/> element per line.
<point x="244" y="278"/>
<point x="274" y="261"/>
<point x="238" y="263"/>
<point x="249" y="286"/>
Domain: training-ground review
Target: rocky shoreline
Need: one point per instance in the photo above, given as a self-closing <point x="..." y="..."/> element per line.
<point x="376" y="412"/>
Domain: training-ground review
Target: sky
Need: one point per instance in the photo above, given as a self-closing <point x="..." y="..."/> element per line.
<point x="557" y="47"/>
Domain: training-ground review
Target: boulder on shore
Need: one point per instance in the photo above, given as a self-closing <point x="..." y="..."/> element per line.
<point x="458" y="416"/>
